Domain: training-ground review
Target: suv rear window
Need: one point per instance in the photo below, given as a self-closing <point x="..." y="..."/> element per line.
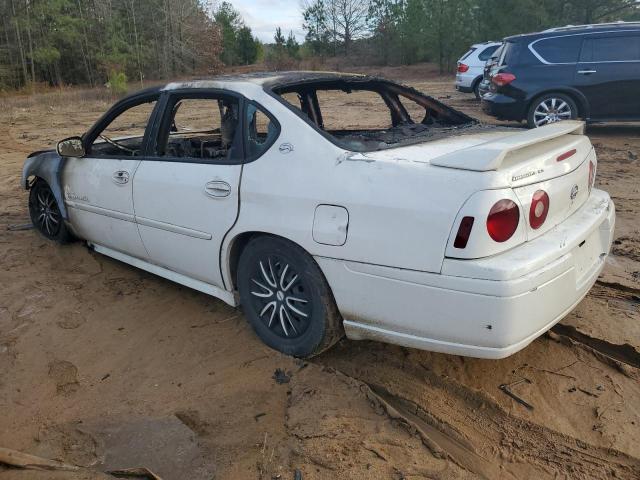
<point x="558" y="49"/>
<point x="487" y="52"/>
<point x="467" y="54"/>
<point x="611" y="49"/>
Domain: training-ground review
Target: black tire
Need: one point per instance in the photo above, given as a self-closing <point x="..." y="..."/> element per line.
<point x="476" y="88"/>
<point x="565" y="109"/>
<point x="275" y="275"/>
<point x="45" y="213"/>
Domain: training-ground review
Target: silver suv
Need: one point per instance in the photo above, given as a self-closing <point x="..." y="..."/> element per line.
<point x="471" y="66"/>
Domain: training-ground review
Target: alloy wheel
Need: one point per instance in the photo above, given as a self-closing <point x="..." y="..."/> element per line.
<point x="281" y="297"/>
<point x="551" y="110"/>
<point x="47" y="213"/>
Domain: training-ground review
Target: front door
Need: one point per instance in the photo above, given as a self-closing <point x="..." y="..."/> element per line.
<point x="186" y="193"/>
<point x="98" y="187"/>
<point x="608" y="75"/>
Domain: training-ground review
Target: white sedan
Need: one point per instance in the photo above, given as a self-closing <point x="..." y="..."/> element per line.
<point x="327" y="203"/>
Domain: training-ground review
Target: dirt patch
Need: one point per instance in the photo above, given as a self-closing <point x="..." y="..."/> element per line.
<point x="84" y="337"/>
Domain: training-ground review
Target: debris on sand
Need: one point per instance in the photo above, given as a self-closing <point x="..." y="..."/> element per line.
<point x="280" y="376"/>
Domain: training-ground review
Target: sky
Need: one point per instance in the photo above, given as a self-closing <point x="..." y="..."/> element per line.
<point x="263" y="16"/>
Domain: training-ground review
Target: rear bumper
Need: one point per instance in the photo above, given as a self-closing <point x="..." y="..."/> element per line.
<point x="503" y="107"/>
<point x="488" y="308"/>
<point x="464" y="81"/>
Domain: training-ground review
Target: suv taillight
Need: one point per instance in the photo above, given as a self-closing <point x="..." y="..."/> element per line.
<point x="592" y="175"/>
<point x="462" y="67"/>
<point x="503" y="219"/>
<point x="502" y="79"/>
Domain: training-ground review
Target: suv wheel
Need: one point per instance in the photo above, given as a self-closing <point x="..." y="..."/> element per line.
<point x="551" y="108"/>
<point x="476" y="88"/>
<point x="45" y="214"/>
<point x="286" y="298"/>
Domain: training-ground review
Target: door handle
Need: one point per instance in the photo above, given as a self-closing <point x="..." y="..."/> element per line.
<point x="586" y="72"/>
<point x="121" y="177"/>
<point x="217" y="188"/>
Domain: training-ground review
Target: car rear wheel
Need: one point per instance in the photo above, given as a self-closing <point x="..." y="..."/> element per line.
<point x="551" y="108"/>
<point x="45" y="213"/>
<point x="286" y="298"/>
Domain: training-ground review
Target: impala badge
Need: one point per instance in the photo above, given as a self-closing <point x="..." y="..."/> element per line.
<point x="574" y="192"/>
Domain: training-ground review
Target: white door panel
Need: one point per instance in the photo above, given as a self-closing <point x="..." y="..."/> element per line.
<point x="183" y="212"/>
<point x="99" y="197"/>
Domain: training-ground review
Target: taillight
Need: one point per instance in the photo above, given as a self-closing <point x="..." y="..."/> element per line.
<point x="503" y="220"/>
<point x="566" y="155"/>
<point x="539" y="209"/>
<point x="592" y="175"/>
<point x="462" y="67"/>
<point x="502" y="79"/>
<point x="463" y="232"/>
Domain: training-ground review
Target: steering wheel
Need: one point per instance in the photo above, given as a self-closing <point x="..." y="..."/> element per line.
<point x="117" y="145"/>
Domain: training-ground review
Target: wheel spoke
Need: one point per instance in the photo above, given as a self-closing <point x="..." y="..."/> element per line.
<point x="565" y="114"/>
<point x="41" y="200"/>
<point x="286" y="287"/>
<point x="544" y="106"/>
<point x="270" y="280"/>
<point x="294" y="309"/>
<point x="284" y="314"/>
<point x="562" y="106"/>
<point x="267" y="291"/>
<point x="284" y="327"/>
<point x="273" y="307"/>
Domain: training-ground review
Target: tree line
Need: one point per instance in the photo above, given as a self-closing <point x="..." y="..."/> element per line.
<point x="97" y="42"/>
<point x="410" y="31"/>
<point x="108" y="41"/>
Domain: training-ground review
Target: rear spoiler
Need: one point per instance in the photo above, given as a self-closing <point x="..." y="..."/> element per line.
<point x="490" y="155"/>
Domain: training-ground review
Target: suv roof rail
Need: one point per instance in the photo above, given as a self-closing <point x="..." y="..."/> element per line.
<point x="592" y="25"/>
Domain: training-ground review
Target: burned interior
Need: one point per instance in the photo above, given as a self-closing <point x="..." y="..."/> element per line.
<point x="412" y="116"/>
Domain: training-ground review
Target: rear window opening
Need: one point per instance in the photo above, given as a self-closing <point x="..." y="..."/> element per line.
<point x="365" y="115"/>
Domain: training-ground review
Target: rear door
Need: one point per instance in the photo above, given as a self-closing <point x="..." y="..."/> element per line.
<point x="186" y="192"/>
<point x="608" y="74"/>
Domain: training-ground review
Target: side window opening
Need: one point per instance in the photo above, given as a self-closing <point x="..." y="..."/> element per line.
<point x="471" y="50"/>
<point x="201" y="129"/>
<point x="611" y="49"/>
<point x="124" y="135"/>
<point x="261" y="131"/>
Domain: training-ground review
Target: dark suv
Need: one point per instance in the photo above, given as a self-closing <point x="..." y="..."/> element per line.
<point x="588" y="71"/>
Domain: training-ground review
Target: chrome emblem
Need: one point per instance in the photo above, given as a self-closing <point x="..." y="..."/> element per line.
<point x="574" y="192"/>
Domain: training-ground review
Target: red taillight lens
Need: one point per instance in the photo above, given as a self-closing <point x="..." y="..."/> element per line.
<point x="503" y="220"/>
<point x="502" y="79"/>
<point x="463" y="232"/>
<point x="592" y="175"/>
<point x="566" y="155"/>
<point x="462" y="67"/>
<point x="539" y="209"/>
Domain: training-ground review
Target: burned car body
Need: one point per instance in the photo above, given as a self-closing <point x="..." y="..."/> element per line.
<point x="326" y="202"/>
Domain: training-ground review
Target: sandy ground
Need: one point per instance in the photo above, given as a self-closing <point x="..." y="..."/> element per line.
<point x="106" y="366"/>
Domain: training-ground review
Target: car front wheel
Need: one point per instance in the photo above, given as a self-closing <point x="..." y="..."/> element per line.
<point x="551" y="108"/>
<point x="286" y="298"/>
<point x="45" y="213"/>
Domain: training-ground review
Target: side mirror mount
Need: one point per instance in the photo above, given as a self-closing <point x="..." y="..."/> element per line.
<point x="70" y="147"/>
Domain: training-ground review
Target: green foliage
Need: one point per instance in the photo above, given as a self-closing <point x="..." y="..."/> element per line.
<point x="117" y="83"/>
